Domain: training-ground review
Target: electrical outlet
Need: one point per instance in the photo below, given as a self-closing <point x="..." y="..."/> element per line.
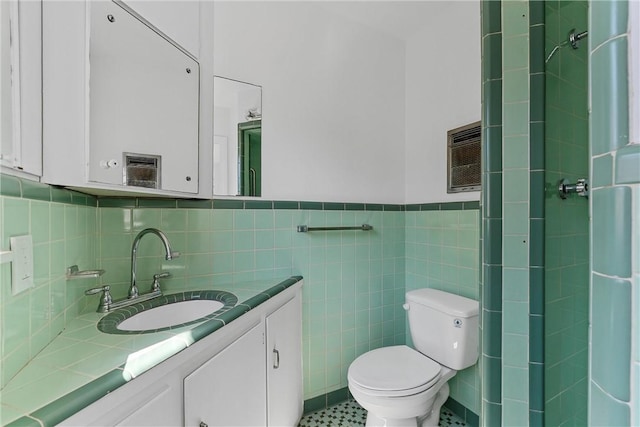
<point x="22" y="264"/>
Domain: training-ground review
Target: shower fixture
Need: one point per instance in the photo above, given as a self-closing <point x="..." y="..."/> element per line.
<point x="581" y="188"/>
<point x="575" y="38"/>
<point x="572" y="39"/>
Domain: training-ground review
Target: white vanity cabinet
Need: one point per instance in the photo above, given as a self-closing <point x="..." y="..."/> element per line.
<point x="284" y="361"/>
<point x="244" y="400"/>
<point x="231" y="377"/>
<point x="229" y="390"/>
<point x="123" y="90"/>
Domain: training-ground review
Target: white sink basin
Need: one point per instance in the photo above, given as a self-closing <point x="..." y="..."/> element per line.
<point x="170" y="314"/>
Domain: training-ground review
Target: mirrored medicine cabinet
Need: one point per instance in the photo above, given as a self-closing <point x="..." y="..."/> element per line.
<point x="237" y="140"/>
<point x="143" y="105"/>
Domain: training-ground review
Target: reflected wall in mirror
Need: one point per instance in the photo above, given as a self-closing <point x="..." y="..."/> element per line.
<point x="237" y="141"/>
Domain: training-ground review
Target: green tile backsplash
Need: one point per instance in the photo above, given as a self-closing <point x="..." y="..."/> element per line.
<point x="354" y="280"/>
<point x="63" y="235"/>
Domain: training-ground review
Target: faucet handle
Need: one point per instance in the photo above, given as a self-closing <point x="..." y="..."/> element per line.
<point x="94" y="291"/>
<point x="161" y="275"/>
<point x="105" y="299"/>
<point x="155" y="287"/>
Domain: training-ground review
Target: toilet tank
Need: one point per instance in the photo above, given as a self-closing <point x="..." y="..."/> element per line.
<point x="444" y="326"/>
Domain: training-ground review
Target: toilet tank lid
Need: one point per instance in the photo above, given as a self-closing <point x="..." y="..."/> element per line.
<point x="445" y="302"/>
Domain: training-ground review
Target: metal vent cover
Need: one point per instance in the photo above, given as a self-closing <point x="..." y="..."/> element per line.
<point x="463" y="158"/>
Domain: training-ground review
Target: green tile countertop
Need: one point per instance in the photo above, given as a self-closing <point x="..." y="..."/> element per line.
<point x="83" y="364"/>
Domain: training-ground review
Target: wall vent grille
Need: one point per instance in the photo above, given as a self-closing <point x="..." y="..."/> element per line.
<point x="463" y="158"/>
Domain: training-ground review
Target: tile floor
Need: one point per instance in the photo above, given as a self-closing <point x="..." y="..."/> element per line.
<point x="350" y="414"/>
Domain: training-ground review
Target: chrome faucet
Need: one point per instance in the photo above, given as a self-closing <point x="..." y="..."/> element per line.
<point x="170" y="254"/>
<point x="107" y="303"/>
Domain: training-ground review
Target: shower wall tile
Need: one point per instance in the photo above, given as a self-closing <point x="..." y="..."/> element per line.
<point x="516" y="119"/>
<point x="492" y="46"/>
<point x="519" y="152"/>
<point x="492" y="92"/>
<point x="611" y="369"/>
<point x="611" y="255"/>
<point x="612" y="20"/>
<point x="491" y="210"/>
<point x="516" y="85"/>
<point x="627" y="165"/>
<point x="613" y="387"/>
<point x="491" y="17"/>
<point x="609" y="97"/>
<point x="604" y="410"/>
<point x="564" y="289"/>
<point x="492" y="151"/>
<point x="515" y="18"/>
<point x="602" y="174"/>
<point x="515" y="412"/>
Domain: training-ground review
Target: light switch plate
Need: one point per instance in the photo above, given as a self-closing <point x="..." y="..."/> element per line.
<point x="22" y="264"/>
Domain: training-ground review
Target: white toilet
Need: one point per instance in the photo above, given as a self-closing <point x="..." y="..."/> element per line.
<point x="400" y="386"/>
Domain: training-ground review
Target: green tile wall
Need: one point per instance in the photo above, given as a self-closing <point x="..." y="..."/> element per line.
<point x="64" y="234"/>
<point x="614" y="381"/>
<point x="442" y="252"/>
<point x="557" y="268"/>
<point x="354" y="280"/>
<point x="567" y="221"/>
<point x="491" y="214"/>
<point x="515" y="211"/>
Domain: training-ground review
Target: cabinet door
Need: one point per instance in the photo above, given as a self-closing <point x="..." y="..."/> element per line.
<point x="284" y="364"/>
<point x="229" y="389"/>
<point x="159" y="410"/>
<point x="21" y="86"/>
<point x="144" y="100"/>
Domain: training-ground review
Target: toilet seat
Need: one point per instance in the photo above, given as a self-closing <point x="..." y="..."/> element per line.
<point x="393" y="371"/>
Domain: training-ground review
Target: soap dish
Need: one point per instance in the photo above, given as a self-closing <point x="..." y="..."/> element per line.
<point x="74" y="273"/>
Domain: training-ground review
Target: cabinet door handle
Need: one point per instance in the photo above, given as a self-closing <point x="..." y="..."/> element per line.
<point x="276" y="359"/>
<point x="203" y="424"/>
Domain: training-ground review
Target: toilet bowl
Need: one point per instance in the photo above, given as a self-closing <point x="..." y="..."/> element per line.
<point x="399" y="386"/>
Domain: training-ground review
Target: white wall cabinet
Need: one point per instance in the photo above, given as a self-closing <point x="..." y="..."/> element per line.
<point x="124" y="102"/>
<point x="21" y="86"/>
<point x="229" y="378"/>
<point x="143" y="105"/>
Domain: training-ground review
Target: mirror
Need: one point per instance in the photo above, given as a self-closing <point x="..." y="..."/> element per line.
<point x="237" y="140"/>
<point x="140" y="136"/>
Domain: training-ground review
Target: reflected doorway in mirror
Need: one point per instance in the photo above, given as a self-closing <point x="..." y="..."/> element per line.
<point x="237" y="144"/>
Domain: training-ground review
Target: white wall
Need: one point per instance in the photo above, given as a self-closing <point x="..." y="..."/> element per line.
<point x="443" y="92"/>
<point x="333" y="99"/>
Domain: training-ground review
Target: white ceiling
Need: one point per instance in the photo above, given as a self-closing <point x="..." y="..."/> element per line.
<point x="398" y="18"/>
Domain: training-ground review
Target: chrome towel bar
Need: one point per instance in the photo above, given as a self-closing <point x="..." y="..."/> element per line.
<point x="305" y="228"/>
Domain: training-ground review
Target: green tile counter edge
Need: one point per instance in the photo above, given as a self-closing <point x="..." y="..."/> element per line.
<point x="72" y="402"/>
